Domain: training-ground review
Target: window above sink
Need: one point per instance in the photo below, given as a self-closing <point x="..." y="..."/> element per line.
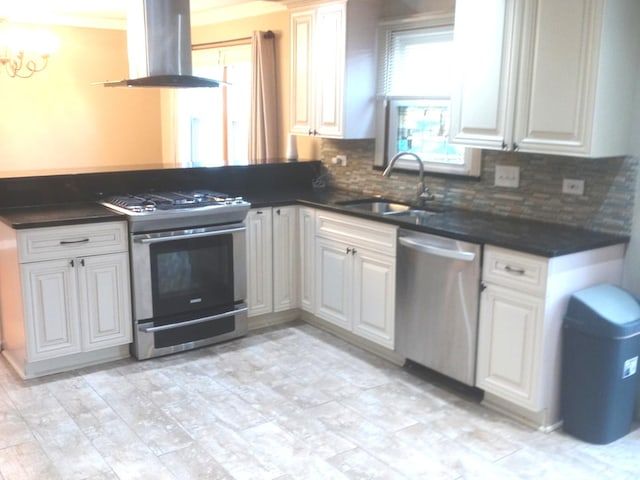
<point x="414" y="90"/>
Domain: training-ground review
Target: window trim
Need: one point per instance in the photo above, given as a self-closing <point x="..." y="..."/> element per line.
<point x="384" y="146"/>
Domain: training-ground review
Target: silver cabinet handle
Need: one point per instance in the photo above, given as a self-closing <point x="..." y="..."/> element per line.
<point x="437" y="251"/>
<point x="192" y="322"/>
<point x="514" y="270"/>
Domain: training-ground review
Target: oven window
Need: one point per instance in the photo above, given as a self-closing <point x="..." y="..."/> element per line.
<point x="192" y="274"/>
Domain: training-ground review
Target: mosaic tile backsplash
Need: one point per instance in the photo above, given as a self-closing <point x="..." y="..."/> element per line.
<point x="607" y="203"/>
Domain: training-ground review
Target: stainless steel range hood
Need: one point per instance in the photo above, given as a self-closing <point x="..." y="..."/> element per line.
<point x="159" y="44"/>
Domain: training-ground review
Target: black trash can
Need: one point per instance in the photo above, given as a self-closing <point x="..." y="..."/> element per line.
<point x="601" y="345"/>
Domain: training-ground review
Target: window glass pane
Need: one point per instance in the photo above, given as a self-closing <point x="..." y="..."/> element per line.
<point x="213" y="123"/>
<point x="422" y="128"/>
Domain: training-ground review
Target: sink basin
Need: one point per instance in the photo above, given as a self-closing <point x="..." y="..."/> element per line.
<point x="413" y="215"/>
<point x="390" y="208"/>
<point x="376" y="205"/>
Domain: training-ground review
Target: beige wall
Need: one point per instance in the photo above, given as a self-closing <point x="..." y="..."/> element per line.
<point x="56" y="121"/>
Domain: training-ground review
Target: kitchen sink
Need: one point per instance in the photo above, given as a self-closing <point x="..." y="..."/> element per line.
<point x="376" y="205"/>
<point x="386" y="207"/>
<point x="414" y="215"/>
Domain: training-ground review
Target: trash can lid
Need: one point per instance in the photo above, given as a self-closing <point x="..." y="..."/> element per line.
<point x="605" y="310"/>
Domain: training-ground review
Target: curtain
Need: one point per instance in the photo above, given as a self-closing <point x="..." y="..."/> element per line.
<point x="263" y="132"/>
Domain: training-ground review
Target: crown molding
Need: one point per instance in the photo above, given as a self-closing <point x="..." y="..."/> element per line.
<point x="115" y="18"/>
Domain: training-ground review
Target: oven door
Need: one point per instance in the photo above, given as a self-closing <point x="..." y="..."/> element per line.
<point x="189" y="288"/>
<point x="196" y="270"/>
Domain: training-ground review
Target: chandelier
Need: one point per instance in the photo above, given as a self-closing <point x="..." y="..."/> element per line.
<point x="23" y="51"/>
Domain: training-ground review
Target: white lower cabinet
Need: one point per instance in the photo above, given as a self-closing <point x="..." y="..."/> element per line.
<point x="51" y="309"/>
<point x="104" y="300"/>
<point x="272" y="259"/>
<point x="373" y="312"/>
<point x="509" y="340"/>
<point x="519" y="335"/>
<point x="259" y="261"/>
<point x="72" y="308"/>
<point x="355" y="276"/>
<point x="334" y="272"/>
<point x="307" y="230"/>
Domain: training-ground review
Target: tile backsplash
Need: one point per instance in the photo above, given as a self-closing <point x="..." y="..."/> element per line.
<point x="606" y="205"/>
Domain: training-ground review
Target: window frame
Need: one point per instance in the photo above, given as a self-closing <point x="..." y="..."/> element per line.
<point x="385" y="145"/>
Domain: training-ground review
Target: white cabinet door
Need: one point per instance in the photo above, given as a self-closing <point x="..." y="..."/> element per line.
<point x="482" y="106"/>
<point x="330" y="54"/>
<point x="374" y="296"/>
<point x="259" y="261"/>
<point x="509" y="345"/>
<point x="333" y="282"/>
<point x="104" y="300"/>
<point x="51" y="318"/>
<point x="285" y="258"/>
<point x="302" y="73"/>
<point x="333" y="74"/>
<point x="559" y="57"/>
<point x="307" y="233"/>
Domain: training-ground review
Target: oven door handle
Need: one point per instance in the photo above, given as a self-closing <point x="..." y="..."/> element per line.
<point x="168" y="238"/>
<point x="195" y="321"/>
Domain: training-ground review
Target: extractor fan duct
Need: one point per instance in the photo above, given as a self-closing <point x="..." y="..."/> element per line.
<point x="159" y="45"/>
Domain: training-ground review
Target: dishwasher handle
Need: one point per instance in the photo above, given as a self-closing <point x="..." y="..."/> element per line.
<point x="437" y="251"/>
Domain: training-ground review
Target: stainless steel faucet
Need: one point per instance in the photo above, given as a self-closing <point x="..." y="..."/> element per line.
<point x="423" y="192"/>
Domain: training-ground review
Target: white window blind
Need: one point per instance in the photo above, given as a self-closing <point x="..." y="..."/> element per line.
<point x="419" y="62"/>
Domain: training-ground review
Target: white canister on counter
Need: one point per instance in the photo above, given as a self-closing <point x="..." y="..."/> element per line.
<point x="292" y="148"/>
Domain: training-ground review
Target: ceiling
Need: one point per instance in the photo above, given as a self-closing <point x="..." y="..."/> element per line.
<point x="111" y="13"/>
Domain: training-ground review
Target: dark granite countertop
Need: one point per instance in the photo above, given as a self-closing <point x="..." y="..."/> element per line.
<point x="538" y="238"/>
<point x="56" y="215"/>
<point x="529" y="236"/>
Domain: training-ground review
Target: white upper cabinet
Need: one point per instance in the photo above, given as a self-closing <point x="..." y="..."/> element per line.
<point x="333" y="69"/>
<point x="544" y="76"/>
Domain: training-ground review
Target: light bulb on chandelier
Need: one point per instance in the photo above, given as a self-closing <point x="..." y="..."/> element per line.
<point x="25" y="52"/>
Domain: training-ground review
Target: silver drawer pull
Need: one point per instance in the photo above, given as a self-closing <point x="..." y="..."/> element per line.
<point x="72" y="242"/>
<point x="514" y="270"/>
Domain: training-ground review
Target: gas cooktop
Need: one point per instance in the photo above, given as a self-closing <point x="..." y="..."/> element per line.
<point x="152" y="201"/>
<point x="150" y="211"/>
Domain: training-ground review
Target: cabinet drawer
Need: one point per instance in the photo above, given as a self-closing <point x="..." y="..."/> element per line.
<point x="516" y="270"/>
<point x="71" y="241"/>
<point x="357" y="232"/>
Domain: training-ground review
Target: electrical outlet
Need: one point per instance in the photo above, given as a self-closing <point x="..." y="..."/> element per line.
<point x="507" y="176"/>
<point x="341" y="160"/>
<point x="572" y="186"/>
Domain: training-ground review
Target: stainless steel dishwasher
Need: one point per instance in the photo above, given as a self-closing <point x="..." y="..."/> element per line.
<point x="437" y="296"/>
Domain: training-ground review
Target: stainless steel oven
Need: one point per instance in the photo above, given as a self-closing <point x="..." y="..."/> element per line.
<point x="188" y="269"/>
<point x="186" y="288"/>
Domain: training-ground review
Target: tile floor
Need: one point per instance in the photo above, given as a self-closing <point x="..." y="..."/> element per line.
<point x="290" y="402"/>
